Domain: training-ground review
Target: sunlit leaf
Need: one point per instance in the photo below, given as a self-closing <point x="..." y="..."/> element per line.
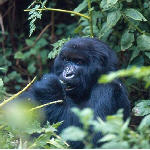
<point x="135" y="14"/>
<point x="81" y="6"/>
<point x="127" y="40"/>
<point x="73" y="133"/>
<point x="145" y="122"/>
<point x="143" y="42"/>
<point x="1" y="82"/>
<point x="142" y="108"/>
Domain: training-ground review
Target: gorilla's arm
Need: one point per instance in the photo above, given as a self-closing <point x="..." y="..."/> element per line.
<point x="49" y="88"/>
<point x="121" y="98"/>
<point x="107" y="99"/>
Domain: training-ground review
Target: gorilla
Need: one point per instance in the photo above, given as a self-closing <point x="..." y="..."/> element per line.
<point x="76" y="70"/>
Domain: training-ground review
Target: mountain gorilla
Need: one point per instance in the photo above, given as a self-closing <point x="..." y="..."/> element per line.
<point x="74" y="80"/>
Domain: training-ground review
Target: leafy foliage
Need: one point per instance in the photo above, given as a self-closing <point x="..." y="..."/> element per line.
<point x="17" y="129"/>
<point x="116" y="133"/>
<point x="142" y="108"/>
<point x="35" y="14"/>
<point x="56" y="48"/>
<point x="139" y="73"/>
<point x="124" y="25"/>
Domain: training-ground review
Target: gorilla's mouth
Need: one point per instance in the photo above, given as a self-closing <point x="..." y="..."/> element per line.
<point x="67" y="86"/>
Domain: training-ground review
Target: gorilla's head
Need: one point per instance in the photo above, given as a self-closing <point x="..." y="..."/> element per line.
<point x="81" y="62"/>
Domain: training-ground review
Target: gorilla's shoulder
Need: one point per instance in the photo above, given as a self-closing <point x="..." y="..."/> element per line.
<point x="114" y="86"/>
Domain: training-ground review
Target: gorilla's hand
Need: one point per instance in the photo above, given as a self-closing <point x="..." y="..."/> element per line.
<point x="49" y="88"/>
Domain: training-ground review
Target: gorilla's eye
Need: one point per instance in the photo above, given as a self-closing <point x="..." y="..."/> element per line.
<point x="64" y="58"/>
<point x="78" y="61"/>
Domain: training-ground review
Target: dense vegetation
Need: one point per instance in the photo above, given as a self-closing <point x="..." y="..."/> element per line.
<point x="28" y="46"/>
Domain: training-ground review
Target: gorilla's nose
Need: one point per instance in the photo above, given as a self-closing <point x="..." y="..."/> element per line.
<point x="68" y="73"/>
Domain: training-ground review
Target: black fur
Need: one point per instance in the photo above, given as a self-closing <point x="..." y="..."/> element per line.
<point x="74" y="80"/>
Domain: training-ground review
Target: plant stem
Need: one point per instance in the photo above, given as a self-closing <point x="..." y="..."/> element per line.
<point x="90" y="18"/>
<point x="61" y="10"/>
<point x="15" y="95"/>
<point x="41" y="106"/>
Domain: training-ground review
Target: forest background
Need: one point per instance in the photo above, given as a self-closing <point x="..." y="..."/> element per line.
<point x="31" y="35"/>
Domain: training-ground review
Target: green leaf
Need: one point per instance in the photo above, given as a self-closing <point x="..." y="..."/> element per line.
<point x="81" y="6"/>
<point x="73" y="133"/>
<point x="29" y="42"/>
<point x="111" y="2"/>
<point x="127" y="40"/>
<point x="14" y="75"/>
<point x="57" y="47"/>
<point x="142" y="108"/>
<point x="31" y="68"/>
<point x="113" y="18"/>
<point x="108" y="4"/>
<point x="116" y="145"/>
<point x="41" y="43"/>
<point x="19" y="55"/>
<point x="143" y="42"/>
<point x="56" y="144"/>
<point x="147" y="54"/>
<point x="134" y="14"/>
<point x="1" y="82"/>
<point x="42" y="140"/>
<point x="108" y="137"/>
<point x="145" y="122"/>
<point x="135" y="53"/>
<point x="105" y="29"/>
<point x="133" y="71"/>
<point x="33" y="128"/>
<point x="138" y="61"/>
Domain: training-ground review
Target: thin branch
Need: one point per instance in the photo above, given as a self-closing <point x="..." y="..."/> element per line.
<point x="61" y="10"/>
<point x="90" y="18"/>
<point x="41" y="106"/>
<point x="15" y="95"/>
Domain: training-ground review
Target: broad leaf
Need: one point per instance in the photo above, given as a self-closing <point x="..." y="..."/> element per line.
<point x="1" y="82"/>
<point x="127" y="40"/>
<point x="108" y="4"/>
<point x="142" y="108"/>
<point x="145" y="122"/>
<point x="19" y="55"/>
<point x="135" y="53"/>
<point x="112" y="2"/>
<point x="143" y="42"/>
<point x="113" y="18"/>
<point x="73" y="133"/>
<point x="134" y="14"/>
<point x="147" y="54"/>
<point x="31" y="68"/>
<point x="82" y="6"/>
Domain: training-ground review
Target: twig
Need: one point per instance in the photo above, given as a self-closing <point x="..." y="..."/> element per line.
<point x="90" y="18"/>
<point x="61" y="10"/>
<point x="41" y="106"/>
<point x="17" y="94"/>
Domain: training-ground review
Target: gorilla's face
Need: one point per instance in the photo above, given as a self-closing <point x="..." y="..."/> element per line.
<point x="73" y="70"/>
<point x="80" y="63"/>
